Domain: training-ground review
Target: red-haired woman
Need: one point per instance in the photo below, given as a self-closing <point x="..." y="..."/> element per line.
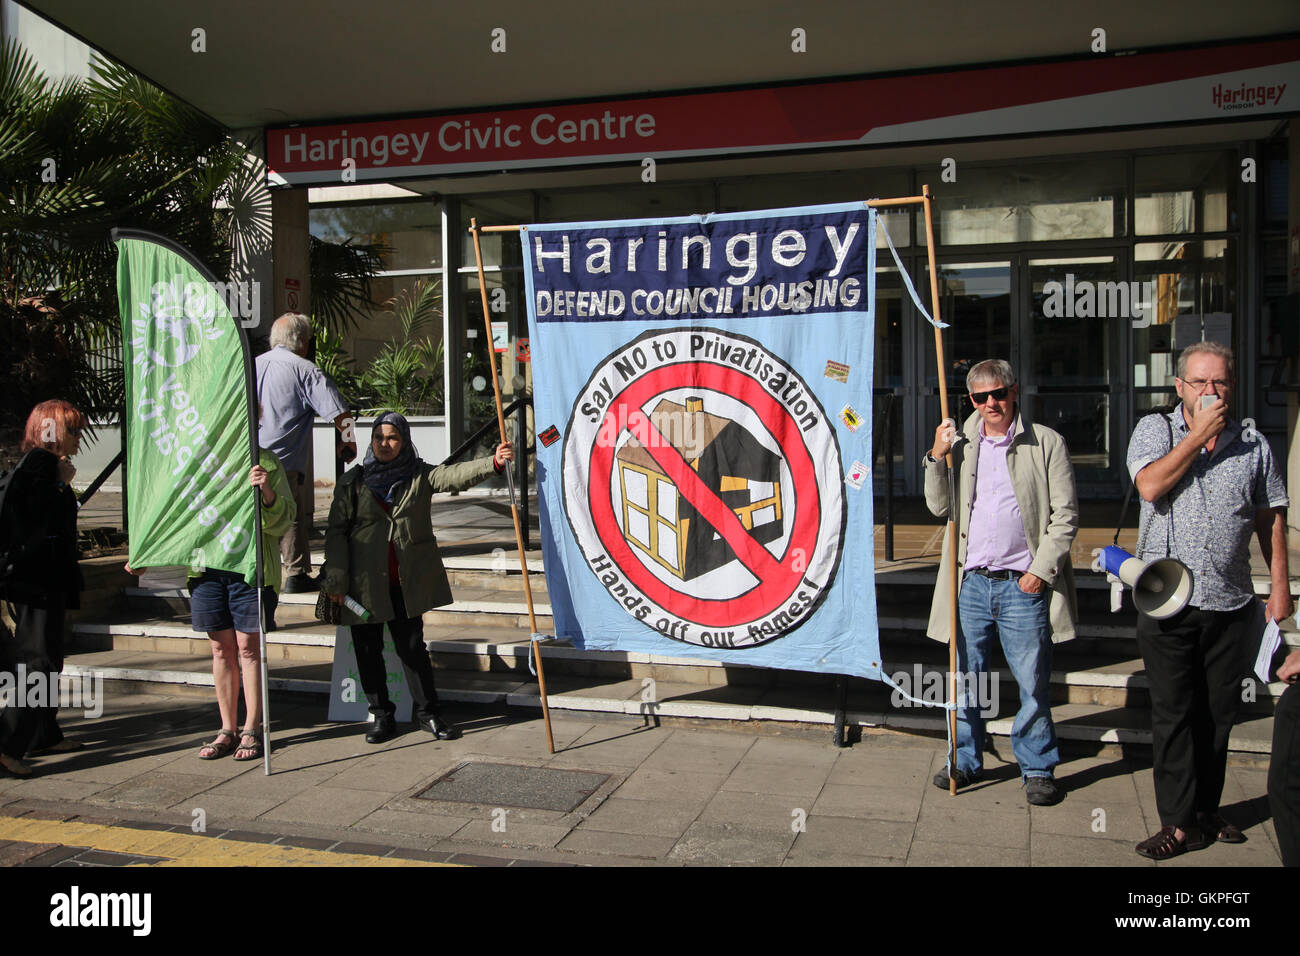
<point x="40" y="578"/>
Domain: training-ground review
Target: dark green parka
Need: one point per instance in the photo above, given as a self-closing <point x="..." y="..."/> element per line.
<point x="356" y="540"/>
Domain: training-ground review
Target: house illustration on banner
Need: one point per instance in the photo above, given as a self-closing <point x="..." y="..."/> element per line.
<point x="661" y="523"/>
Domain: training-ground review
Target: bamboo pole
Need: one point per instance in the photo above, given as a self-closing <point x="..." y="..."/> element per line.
<point x="950" y="462"/>
<point x="514" y="509"/>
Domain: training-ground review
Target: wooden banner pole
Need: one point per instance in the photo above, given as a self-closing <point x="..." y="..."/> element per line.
<point x="950" y="462"/>
<point x="514" y="509"/>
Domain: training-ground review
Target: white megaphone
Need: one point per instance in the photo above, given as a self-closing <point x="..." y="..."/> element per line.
<point x="1161" y="588"/>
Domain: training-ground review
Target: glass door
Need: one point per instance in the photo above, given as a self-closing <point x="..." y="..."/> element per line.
<point x="975" y="299"/>
<point x="1061" y="321"/>
<point x="1078" y="313"/>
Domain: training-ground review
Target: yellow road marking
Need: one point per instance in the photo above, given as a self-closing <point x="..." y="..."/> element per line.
<point x="184" y="849"/>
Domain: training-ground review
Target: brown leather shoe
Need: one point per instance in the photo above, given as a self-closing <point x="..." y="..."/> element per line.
<point x="1219" y="828"/>
<point x="1165" y="845"/>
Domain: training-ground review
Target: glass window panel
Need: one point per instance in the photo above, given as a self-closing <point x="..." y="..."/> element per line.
<point x="1190" y="292"/>
<point x="1177" y="193"/>
<point x="1076" y="303"/>
<point x="635" y="201"/>
<point x="776" y="192"/>
<point x="889" y="328"/>
<point x="498" y="209"/>
<point x="975" y="299"/>
<point x="412" y="231"/>
<point x="1083" y="420"/>
<point x="1038" y="202"/>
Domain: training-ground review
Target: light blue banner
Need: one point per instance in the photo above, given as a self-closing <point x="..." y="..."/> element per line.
<point x="702" y="389"/>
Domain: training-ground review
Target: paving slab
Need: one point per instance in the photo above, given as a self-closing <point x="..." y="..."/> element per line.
<point x="329" y="806"/>
<point x="223" y="809"/>
<point x="902" y="805"/>
<point x="1079" y="818"/>
<point x="756" y="810"/>
<point x="684" y="785"/>
<point x="825" y="835"/>
<point x="157" y="789"/>
<point x="926" y="853"/>
<point x="433" y="826"/>
<point x="626" y="746"/>
<point x="50" y="787"/>
<point x="841" y="860"/>
<point x="1054" y="849"/>
<point x="513" y="834"/>
<point x="608" y="842"/>
<point x="940" y="824"/>
<point x="659" y="818"/>
<point x="727" y="844"/>
<point x="800" y="781"/>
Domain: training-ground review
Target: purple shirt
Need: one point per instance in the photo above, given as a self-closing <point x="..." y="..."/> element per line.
<point x="997" y="535"/>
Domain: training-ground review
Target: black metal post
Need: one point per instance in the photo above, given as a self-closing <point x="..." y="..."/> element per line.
<point x="841" y="706"/>
<point x="889" y="479"/>
<point x="521" y="469"/>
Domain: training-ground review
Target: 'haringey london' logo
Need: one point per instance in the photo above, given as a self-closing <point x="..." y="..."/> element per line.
<point x="702" y="482"/>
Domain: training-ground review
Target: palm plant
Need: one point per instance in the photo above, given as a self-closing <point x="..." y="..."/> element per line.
<point x="78" y="157"/>
<point x="406" y="375"/>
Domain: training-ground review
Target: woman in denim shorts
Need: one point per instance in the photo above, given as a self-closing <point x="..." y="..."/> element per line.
<point x="224" y="606"/>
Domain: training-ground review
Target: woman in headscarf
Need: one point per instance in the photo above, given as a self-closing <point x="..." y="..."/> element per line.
<point x="41" y="581"/>
<point x="380" y="551"/>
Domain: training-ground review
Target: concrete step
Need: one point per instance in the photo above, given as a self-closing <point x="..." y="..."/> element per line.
<point x="729" y="705"/>
<point x="915" y="662"/>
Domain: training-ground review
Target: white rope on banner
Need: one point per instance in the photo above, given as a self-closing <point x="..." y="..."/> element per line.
<point x="947" y="705"/>
<point x="907" y="279"/>
<point x="532" y="649"/>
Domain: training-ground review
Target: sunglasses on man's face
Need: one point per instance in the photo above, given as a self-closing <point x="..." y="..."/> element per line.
<point x="979" y="398"/>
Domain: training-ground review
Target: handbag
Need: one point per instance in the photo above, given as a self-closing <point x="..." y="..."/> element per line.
<point x="327" y="612"/>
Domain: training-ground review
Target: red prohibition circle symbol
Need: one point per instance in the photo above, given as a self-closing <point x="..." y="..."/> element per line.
<point x="777" y="578"/>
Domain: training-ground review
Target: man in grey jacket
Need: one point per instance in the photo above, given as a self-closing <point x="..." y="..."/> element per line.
<point x="1017" y="516"/>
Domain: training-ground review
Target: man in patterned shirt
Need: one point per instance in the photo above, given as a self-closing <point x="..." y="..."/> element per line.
<point x="1205" y="485"/>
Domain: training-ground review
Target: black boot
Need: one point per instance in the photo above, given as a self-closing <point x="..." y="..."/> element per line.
<point x="438" y="727"/>
<point x="384" y="728"/>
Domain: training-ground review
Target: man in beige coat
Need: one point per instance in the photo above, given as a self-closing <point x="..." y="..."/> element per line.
<point x="1017" y="516"/>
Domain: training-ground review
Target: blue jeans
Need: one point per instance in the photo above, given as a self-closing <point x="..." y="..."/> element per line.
<point x="987" y="609"/>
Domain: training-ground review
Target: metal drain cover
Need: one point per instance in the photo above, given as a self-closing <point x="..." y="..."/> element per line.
<point x="510" y="785"/>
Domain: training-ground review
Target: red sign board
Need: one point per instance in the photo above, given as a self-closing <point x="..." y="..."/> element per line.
<point x="1231" y="80"/>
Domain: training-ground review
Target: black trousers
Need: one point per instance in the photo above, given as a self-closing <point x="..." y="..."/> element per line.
<point x="408" y="639"/>
<point x="1195" y="663"/>
<point x="37" y="644"/>
<point x="1284" y="775"/>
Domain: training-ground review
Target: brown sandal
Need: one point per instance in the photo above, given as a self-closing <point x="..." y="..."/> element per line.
<point x="222" y="746"/>
<point x="1222" y="830"/>
<point x="253" y="752"/>
<point x="1165" y="846"/>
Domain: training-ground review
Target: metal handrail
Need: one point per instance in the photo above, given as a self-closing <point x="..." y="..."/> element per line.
<point x="522" y="451"/>
<point x="479" y="435"/>
<point x="103" y="476"/>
